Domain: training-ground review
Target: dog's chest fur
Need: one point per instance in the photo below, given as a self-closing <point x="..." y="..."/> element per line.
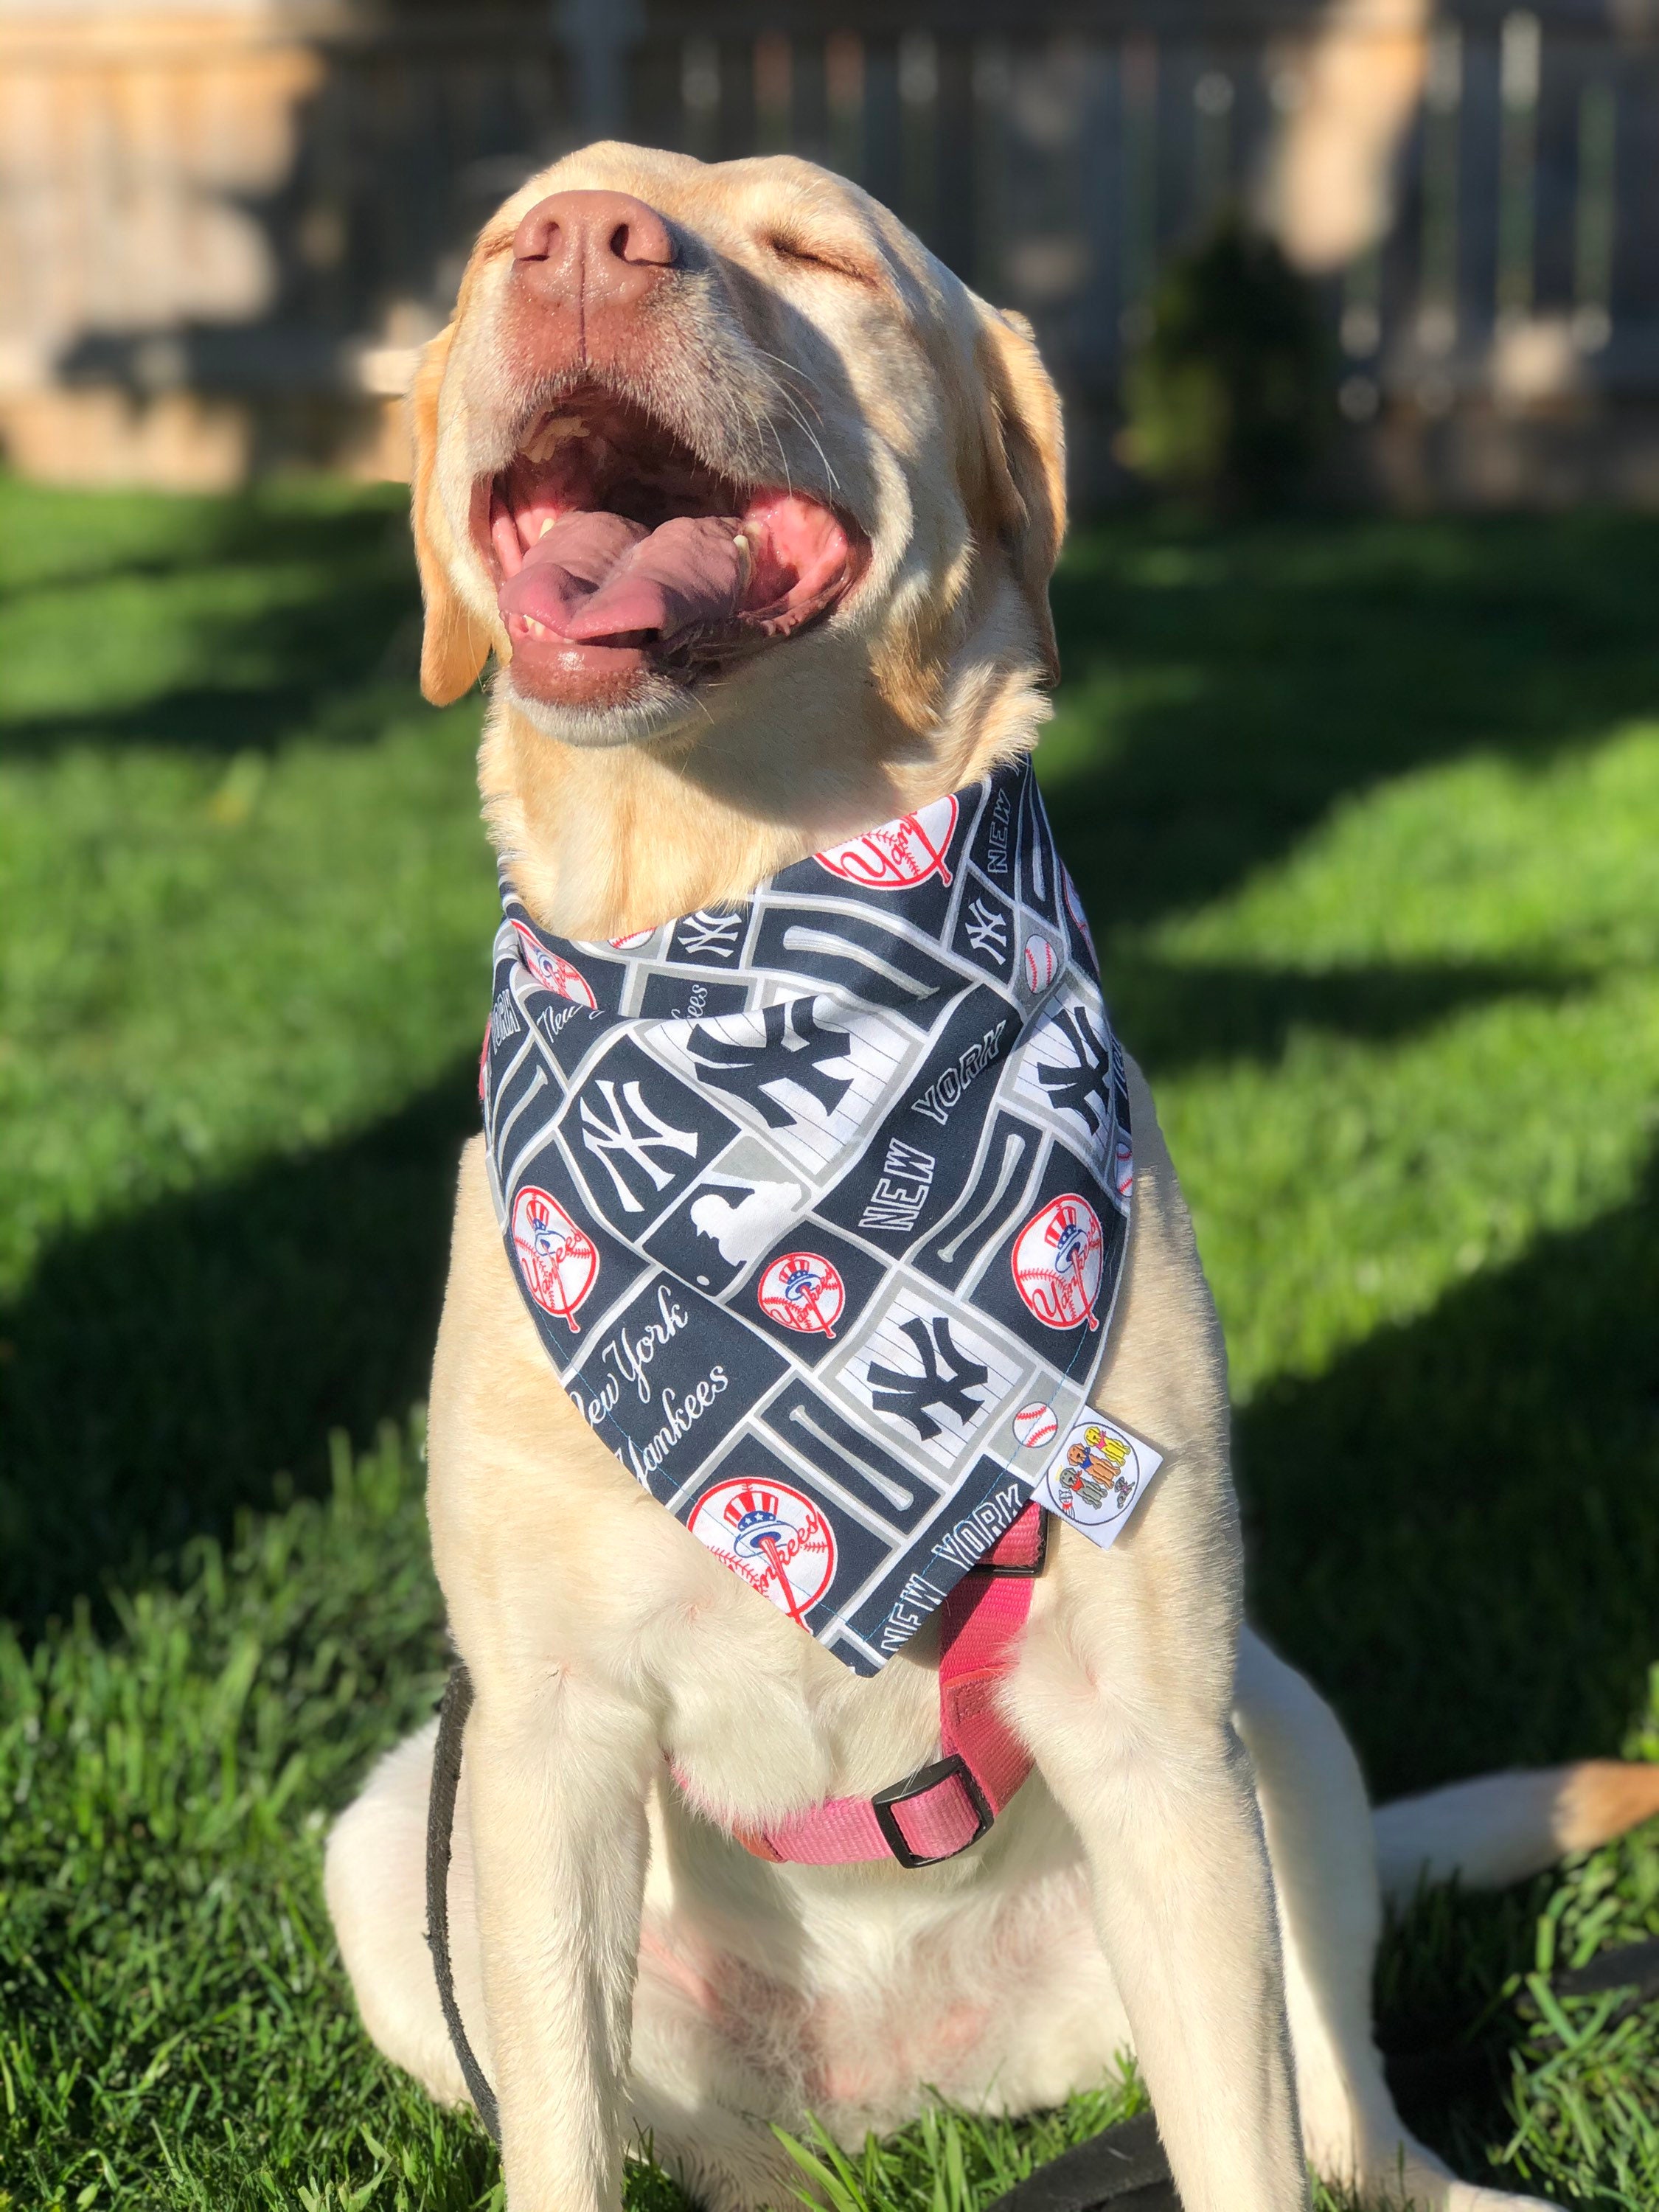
<point x="853" y="2004"/>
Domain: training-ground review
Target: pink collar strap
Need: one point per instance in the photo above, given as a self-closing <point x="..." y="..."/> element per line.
<point x="943" y="1809"/>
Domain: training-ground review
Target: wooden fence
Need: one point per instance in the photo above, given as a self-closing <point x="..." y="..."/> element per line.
<point x="221" y="232"/>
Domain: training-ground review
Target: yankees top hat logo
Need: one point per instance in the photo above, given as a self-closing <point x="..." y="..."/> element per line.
<point x="556" y="1259"/>
<point x="898" y="854"/>
<point x="553" y="973"/>
<point x="776" y="1538"/>
<point x="1058" y="1260"/>
<point x="803" y="1291"/>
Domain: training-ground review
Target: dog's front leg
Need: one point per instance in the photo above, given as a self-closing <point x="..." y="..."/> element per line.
<point x="558" y="1770"/>
<point x="1157" y="1785"/>
<point x="1125" y="1696"/>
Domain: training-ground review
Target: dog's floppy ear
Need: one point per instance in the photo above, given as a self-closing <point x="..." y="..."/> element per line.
<point x="1026" y="449"/>
<point x="455" y="644"/>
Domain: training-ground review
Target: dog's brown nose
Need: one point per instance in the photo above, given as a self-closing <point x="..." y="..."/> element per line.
<point x="608" y="248"/>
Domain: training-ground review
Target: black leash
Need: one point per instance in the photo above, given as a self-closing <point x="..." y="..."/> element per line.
<point x="1123" y="2167"/>
<point x="440" y="1831"/>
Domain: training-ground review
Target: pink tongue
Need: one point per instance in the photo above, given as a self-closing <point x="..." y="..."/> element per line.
<point x="596" y="576"/>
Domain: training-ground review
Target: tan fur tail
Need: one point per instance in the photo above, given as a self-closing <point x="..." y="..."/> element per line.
<point x="1503" y="1827"/>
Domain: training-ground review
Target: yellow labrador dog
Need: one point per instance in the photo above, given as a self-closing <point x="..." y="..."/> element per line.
<point x="808" y="491"/>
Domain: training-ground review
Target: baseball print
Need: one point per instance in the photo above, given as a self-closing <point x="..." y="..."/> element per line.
<point x="1035" y="1425"/>
<point x="1039" y="963"/>
<point x="842" y="1182"/>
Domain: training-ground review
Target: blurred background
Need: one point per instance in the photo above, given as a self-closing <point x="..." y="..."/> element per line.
<point x="1355" y="311"/>
<point x="225" y="223"/>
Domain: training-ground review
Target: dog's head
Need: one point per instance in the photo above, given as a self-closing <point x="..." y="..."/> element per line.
<point x="703" y="440"/>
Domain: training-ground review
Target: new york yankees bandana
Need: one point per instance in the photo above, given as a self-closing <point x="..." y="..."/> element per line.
<point x="819" y="1204"/>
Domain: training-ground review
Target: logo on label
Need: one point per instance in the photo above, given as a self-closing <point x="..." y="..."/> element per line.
<point x="552" y="973"/>
<point x="1036" y="1424"/>
<point x="899" y="854"/>
<point x="803" y="1291"/>
<point x="1039" y="963"/>
<point x="1097" y="1480"/>
<point x="1058" y="1260"/>
<point x="773" y="1536"/>
<point x="557" y="1260"/>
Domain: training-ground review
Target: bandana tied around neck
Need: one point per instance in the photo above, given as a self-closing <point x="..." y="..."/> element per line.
<point x="819" y="1202"/>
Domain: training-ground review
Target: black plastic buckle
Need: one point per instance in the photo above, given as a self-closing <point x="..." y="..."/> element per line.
<point x="1013" y="1572"/>
<point x="918" y="1785"/>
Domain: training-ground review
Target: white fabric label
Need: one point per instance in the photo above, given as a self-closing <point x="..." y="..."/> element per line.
<point x="1094" y="1480"/>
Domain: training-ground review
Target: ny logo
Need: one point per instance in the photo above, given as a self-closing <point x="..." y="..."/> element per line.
<point x="793" y="1051"/>
<point x="1078" y="1086"/>
<point x="946" y="1379"/>
<point x="636" y="1132"/>
<point x="987" y="930"/>
<point x="712" y="936"/>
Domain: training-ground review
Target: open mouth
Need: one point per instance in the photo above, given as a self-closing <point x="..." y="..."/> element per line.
<point x="618" y="555"/>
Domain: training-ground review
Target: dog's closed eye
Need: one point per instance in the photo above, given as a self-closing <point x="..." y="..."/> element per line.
<point x="801" y="253"/>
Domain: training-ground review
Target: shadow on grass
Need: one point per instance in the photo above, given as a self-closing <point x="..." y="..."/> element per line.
<point x="1245" y="681"/>
<point x="335" y="625"/>
<point x="1196" y="1013"/>
<point x="160" y="1371"/>
<point x="1456" y="1529"/>
<point x="1447" y="1526"/>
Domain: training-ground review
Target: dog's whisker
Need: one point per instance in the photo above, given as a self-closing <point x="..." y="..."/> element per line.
<point x="804" y="381"/>
<point x="808" y="433"/>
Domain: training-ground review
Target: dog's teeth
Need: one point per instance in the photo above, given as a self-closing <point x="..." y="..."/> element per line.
<point x="547" y="524"/>
<point x="553" y="432"/>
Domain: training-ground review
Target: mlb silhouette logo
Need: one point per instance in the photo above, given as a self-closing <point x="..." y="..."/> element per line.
<point x="552" y="972"/>
<point x="773" y="1536"/>
<point x="557" y="1260"/>
<point x="899" y="854"/>
<point x="1059" y="1258"/>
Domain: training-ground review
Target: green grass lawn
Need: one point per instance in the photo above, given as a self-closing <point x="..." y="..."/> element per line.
<point x="1365" y="814"/>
